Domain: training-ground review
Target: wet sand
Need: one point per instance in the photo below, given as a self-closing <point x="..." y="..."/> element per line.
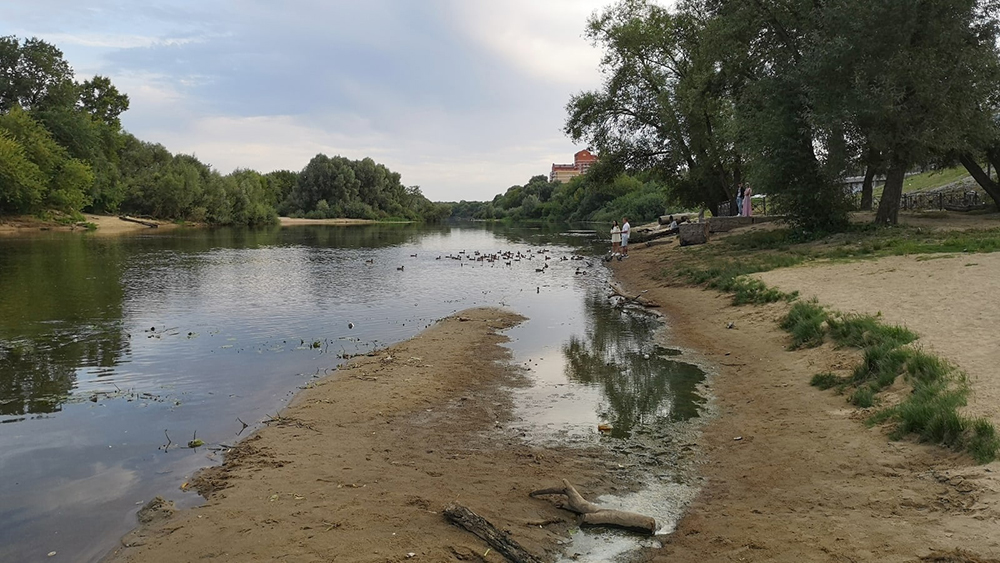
<point x="360" y="466"/>
<point x="792" y="472"/>
<point x="106" y="225"/>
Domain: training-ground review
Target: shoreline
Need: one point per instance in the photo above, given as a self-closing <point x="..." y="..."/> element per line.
<point x="293" y="222"/>
<point x="106" y="225"/>
<point x="792" y="473"/>
<point x="360" y="465"/>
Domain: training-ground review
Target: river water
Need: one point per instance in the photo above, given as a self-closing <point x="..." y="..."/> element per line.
<point x="115" y="352"/>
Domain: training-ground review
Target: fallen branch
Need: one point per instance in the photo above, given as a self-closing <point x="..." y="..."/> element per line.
<point x="149" y="224"/>
<point x="639" y="299"/>
<point x="497" y="539"/>
<point x="593" y="515"/>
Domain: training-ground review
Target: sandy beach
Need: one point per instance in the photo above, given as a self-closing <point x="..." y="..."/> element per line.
<point x="359" y="467"/>
<point x="106" y="225"/>
<point x="292" y="222"/>
<point x="792" y="472"/>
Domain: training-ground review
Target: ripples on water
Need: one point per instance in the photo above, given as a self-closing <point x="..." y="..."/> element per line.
<point x="105" y="344"/>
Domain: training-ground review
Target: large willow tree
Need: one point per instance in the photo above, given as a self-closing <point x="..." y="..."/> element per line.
<point x="663" y="106"/>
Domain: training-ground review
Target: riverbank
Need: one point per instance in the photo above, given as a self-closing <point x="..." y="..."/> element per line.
<point x="99" y="224"/>
<point x="292" y="222"/>
<point x="360" y="466"/>
<point x="792" y="473"/>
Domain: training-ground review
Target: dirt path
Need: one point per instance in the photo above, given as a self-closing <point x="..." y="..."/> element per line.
<point x="792" y="473"/>
<point x="359" y="467"/>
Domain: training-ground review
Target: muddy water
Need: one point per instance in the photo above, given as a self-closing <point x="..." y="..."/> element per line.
<point x="115" y="353"/>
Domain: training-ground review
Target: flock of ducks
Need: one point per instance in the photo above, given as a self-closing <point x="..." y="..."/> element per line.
<point x="504" y="258"/>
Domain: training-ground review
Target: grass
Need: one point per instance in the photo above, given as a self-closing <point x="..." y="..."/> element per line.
<point x="806" y="322"/>
<point x="930" y="180"/>
<point x="828" y="380"/>
<point x="858" y="331"/>
<point x="931" y="411"/>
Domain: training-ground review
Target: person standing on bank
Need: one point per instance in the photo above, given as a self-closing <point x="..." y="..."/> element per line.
<point x="616" y="239"/>
<point x="739" y="199"/>
<point x="625" y="233"/>
<point x="747" y="203"/>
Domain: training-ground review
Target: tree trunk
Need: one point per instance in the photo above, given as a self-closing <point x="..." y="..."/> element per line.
<point x="888" y="206"/>
<point x="867" y="188"/>
<point x="982" y="178"/>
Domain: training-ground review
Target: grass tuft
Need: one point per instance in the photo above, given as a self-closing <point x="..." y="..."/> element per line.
<point x="984" y="444"/>
<point x="860" y="331"/>
<point x="863" y="397"/>
<point x="880" y="365"/>
<point x="806" y="322"/>
<point x="827" y="380"/>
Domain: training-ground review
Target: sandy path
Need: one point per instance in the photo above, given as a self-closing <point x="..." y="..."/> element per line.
<point x="952" y="302"/>
<point x="362" y="464"/>
<point x="806" y="480"/>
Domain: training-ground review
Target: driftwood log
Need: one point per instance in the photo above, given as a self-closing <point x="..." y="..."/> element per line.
<point x="593" y="515"/>
<point x="149" y="224"/>
<point x="617" y="291"/>
<point x="499" y="540"/>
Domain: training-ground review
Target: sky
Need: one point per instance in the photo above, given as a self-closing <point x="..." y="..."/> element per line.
<point x="464" y="98"/>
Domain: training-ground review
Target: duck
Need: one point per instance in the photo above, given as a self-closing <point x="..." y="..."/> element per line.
<point x="400" y="268"/>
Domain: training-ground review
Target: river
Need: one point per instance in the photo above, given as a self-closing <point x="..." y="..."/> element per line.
<point x="115" y="352"/>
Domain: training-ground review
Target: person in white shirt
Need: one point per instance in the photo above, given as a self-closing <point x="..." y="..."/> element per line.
<point x="616" y="238"/>
<point x="625" y="233"/>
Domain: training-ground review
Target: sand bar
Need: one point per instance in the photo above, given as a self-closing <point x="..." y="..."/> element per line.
<point x="360" y="466"/>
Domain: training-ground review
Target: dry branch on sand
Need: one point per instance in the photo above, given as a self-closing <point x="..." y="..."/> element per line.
<point x="499" y="540"/>
<point x="594" y="515"/>
<point x="617" y="291"/>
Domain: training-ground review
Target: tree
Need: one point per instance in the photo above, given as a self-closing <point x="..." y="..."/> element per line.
<point x="65" y="181"/>
<point x="100" y="98"/>
<point x="22" y="184"/>
<point x="30" y="71"/>
<point x="663" y="105"/>
<point x="910" y="82"/>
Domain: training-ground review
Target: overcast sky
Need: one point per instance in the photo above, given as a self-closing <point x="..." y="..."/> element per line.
<point x="462" y="97"/>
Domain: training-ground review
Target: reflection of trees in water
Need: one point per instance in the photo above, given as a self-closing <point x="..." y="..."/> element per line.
<point x="60" y="309"/>
<point x="638" y="383"/>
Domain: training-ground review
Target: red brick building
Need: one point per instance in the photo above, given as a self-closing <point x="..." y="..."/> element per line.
<point x="582" y="161"/>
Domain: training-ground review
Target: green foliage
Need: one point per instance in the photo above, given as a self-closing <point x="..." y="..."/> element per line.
<point x="21" y="182"/>
<point x="62" y="147"/>
<point x="805" y="321"/>
<point x="61" y="182"/>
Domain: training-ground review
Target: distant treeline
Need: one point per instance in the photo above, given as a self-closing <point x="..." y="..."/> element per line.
<point x="590" y="197"/>
<point x="62" y="148"/>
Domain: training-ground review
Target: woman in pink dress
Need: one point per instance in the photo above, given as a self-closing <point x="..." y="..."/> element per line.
<point x="747" y="207"/>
